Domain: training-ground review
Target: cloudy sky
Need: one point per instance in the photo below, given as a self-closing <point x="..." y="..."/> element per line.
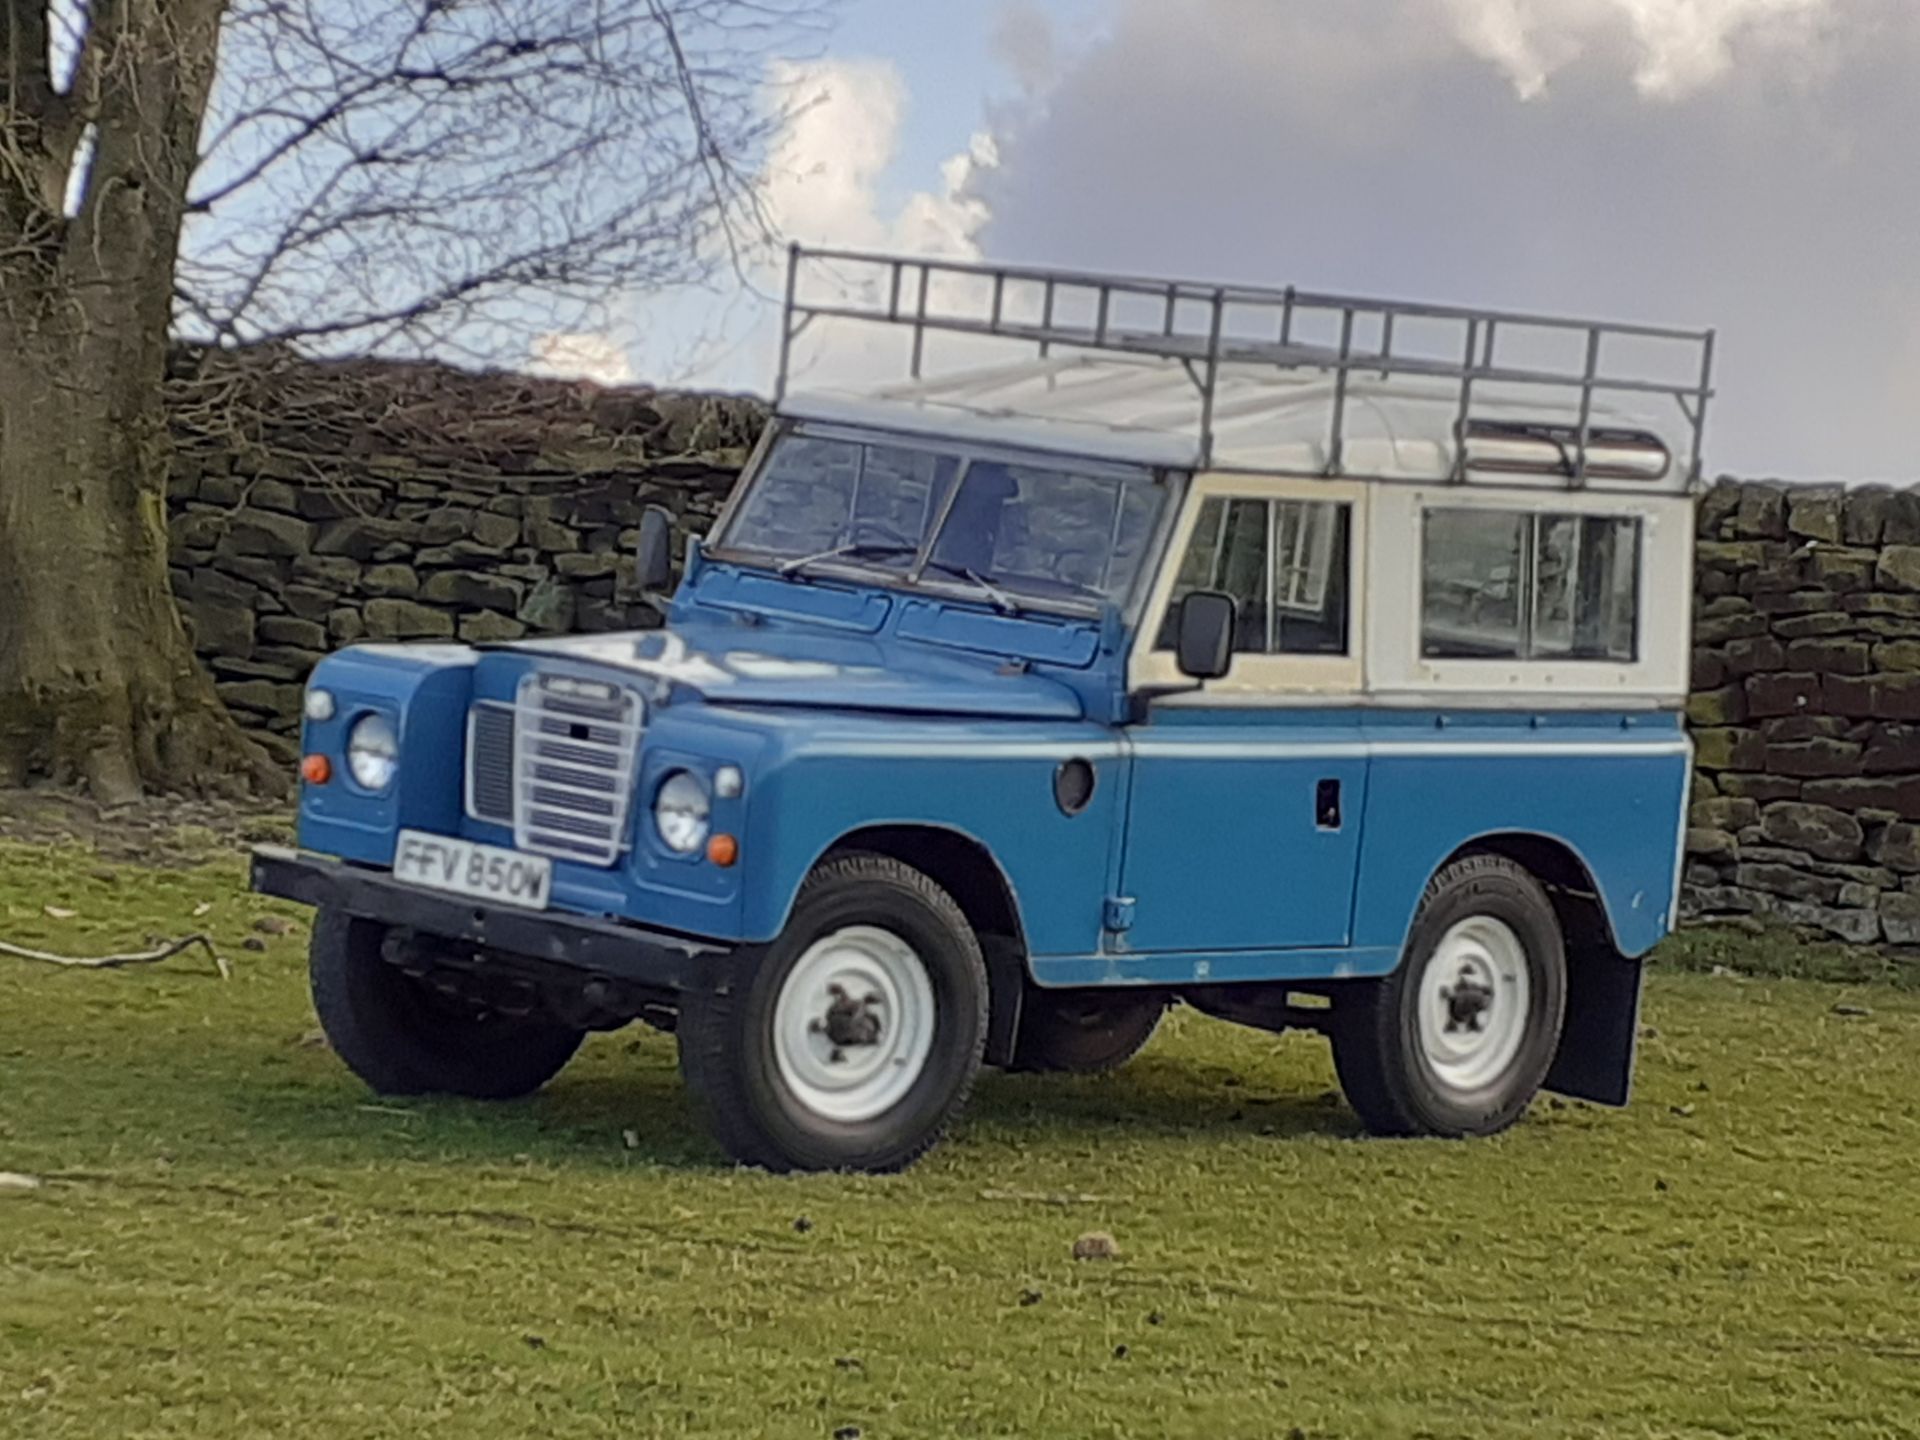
<point x="1747" y="164"/>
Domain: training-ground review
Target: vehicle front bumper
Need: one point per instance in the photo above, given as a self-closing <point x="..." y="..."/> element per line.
<point x="591" y="944"/>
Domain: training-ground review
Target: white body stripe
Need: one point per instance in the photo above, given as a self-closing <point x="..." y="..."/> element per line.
<point x="1263" y="750"/>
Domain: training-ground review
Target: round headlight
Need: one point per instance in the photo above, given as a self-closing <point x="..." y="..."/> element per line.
<point x="681" y="813"/>
<point x="319" y="705"/>
<point x="373" y="753"/>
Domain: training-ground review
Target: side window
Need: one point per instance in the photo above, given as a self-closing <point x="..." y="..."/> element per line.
<point x="1505" y="585"/>
<point x="1284" y="562"/>
<point x="1312" y="543"/>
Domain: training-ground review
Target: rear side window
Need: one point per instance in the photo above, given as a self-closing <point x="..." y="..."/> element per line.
<point x="1512" y="585"/>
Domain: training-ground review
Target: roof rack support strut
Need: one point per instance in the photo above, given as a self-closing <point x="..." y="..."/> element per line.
<point x="1336" y="448"/>
<point x="1466" y="404"/>
<point x="920" y="322"/>
<point x="1213" y="379"/>
<point x="1586" y="408"/>
<point x="1700" y="411"/>
<point x="787" y="332"/>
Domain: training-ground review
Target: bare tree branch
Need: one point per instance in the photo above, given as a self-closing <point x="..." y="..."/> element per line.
<point x="425" y="177"/>
<point x="152" y="956"/>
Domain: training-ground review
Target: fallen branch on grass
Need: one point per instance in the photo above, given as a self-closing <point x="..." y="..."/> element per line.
<point x="119" y="962"/>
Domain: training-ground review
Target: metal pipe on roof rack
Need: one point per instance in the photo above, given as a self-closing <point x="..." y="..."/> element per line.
<point x="1100" y="324"/>
<point x="1046" y="319"/>
<point x="920" y="321"/>
<point x="1386" y="347"/>
<point x="1706" y="394"/>
<point x="786" y="323"/>
<point x="1286" y="319"/>
<point x="1415" y="310"/>
<point x="1492" y="326"/>
<point x="1336" y="454"/>
<point x="1213" y="379"/>
<point x="999" y="298"/>
<point x="1173" y="303"/>
<point x="1586" y="408"/>
<point x="893" y="299"/>
<point x="1466" y="405"/>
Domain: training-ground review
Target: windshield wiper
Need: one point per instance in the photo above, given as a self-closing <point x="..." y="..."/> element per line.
<point x="860" y="548"/>
<point x="1000" y="599"/>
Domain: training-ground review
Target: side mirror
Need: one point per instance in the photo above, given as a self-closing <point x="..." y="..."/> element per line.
<point x="654" y="570"/>
<point x="1205" y="645"/>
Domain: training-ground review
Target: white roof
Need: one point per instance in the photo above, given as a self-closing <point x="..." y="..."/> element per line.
<point x="1267" y="419"/>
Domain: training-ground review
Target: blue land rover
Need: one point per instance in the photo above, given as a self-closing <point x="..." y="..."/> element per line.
<point x="1311" y="661"/>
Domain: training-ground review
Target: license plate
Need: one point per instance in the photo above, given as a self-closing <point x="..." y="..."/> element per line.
<point x="483" y="872"/>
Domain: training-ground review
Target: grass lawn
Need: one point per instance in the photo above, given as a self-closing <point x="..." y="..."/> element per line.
<point x="233" y="1239"/>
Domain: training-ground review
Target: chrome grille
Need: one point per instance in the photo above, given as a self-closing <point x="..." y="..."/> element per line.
<point x="557" y="765"/>
<point x="575" y="745"/>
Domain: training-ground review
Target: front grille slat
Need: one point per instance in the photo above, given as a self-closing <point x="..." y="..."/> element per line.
<point x="490" y="763"/>
<point x="558" y="767"/>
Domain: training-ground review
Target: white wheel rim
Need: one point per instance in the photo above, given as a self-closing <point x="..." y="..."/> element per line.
<point x="1475" y="1003"/>
<point x="853" y="1024"/>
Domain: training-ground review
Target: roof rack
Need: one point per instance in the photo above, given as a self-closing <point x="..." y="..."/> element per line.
<point x="1205" y="326"/>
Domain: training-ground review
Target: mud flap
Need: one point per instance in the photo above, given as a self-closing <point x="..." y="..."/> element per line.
<point x="1600" y="1035"/>
<point x="1007" y="984"/>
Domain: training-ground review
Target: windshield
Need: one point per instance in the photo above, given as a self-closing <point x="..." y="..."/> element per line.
<point x="1010" y="530"/>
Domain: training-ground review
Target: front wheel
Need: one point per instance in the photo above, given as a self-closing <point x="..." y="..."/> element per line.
<point x="1459" y="1040"/>
<point x="853" y="1040"/>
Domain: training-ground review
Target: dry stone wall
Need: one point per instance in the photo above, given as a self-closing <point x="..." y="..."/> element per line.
<point x="314" y="505"/>
<point x="1806" y="710"/>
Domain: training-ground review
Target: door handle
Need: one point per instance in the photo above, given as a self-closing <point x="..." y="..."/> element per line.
<point x="1326" y="805"/>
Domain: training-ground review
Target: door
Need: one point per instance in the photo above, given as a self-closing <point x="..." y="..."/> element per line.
<point x="1243" y="829"/>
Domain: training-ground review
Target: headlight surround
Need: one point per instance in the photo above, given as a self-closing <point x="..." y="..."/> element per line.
<point x="682" y="812"/>
<point x="373" y="753"/>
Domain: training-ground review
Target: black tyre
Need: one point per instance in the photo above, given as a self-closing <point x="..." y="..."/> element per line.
<point x="853" y="1040"/>
<point x="404" y="1038"/>
<point x="1083" y="1032"/>
<point x="1459" y="1040"/>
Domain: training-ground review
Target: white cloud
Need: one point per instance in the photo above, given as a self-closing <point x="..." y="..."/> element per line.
<point x="581" y="356"/>
<point x="827" y="166"/>
<point x="1680" y="46"/>
<point x="825" y="184"/>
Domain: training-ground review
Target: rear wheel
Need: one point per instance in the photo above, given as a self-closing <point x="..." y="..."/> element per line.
<point x="1078" y="1032"/>
<point x="402" y="1037"/>
<point x="853" y="1040"/>
<point x="1459" y="1040"/>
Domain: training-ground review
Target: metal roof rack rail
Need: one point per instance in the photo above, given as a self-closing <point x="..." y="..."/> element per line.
<point x="1190" y="326"/>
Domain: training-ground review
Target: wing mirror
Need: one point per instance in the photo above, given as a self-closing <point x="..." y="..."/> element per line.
<point x="654" y="570"/>
<point x="1205" y="644"/>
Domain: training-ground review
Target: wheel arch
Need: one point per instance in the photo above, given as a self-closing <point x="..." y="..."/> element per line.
<point x="960" y="863"/>
<point x="1559" y="866"/>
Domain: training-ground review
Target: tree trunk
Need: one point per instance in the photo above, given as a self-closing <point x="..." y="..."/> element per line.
<point x="98" y="681"/>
